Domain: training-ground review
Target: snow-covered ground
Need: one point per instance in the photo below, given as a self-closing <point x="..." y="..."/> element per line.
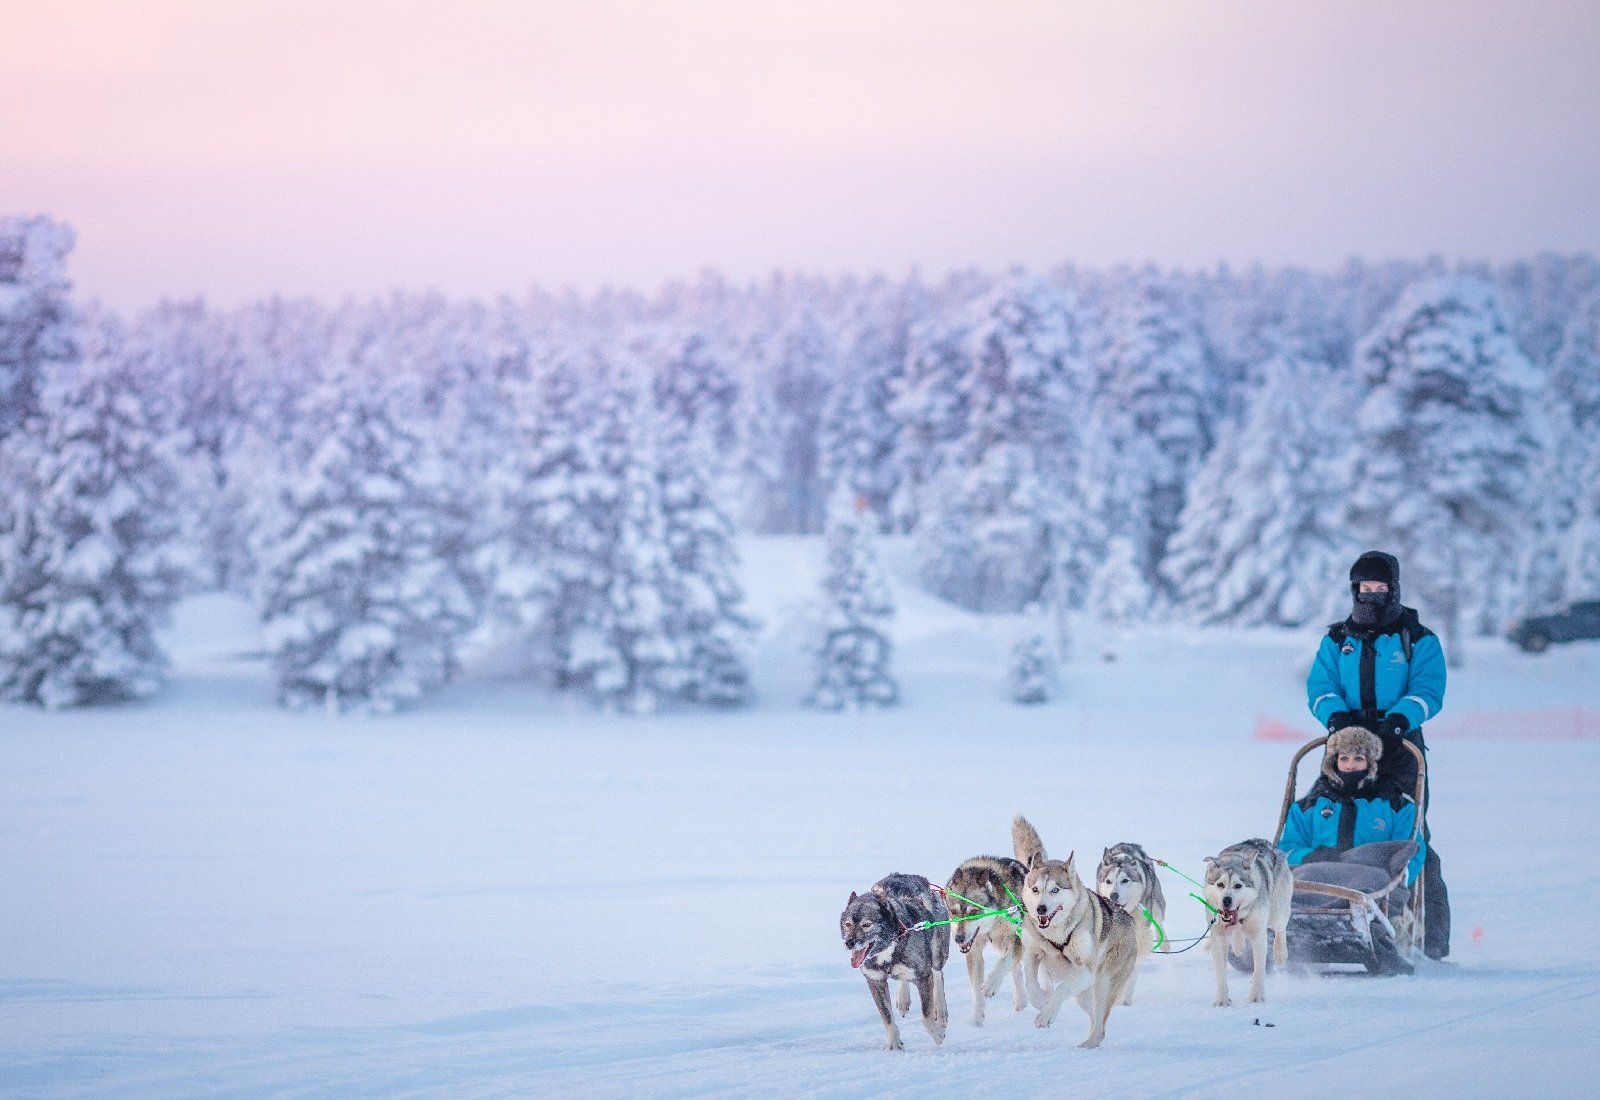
<point x="504" y="893"/>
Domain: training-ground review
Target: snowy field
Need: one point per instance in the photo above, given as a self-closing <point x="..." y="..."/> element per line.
<point x="504" y="893"/>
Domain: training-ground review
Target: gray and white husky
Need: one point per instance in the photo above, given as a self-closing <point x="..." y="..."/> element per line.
<point x="1127" y="877"/>
<point x="983" y="883"/>
<point x="1250" y="887"/>
<point x="878" y="930"/>
<point x="1087" y="946"/>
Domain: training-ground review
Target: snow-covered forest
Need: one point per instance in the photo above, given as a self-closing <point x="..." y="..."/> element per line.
<point x="394" y="481"/>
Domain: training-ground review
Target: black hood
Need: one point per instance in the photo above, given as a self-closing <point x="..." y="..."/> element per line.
<point x="1374" y="614"/>
<point x="1375" y="565"/>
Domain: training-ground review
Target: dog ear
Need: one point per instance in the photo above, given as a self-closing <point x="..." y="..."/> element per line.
<point x="1071" y="858"/>
<point x="1035" y="861"/>
<point x="852" y="897"/>
<point x="1105" y="855"/>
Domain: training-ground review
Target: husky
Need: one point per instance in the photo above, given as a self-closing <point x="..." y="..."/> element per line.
<point x="981" y="883"/>
<point x="1250" y="887"/>
<point x="1087" y="946"/>
<point x="878" y="928"/>
<point x="1127" y="877"/>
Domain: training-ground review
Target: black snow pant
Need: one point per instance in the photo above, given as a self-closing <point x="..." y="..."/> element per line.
<point x="1399" y="767"/>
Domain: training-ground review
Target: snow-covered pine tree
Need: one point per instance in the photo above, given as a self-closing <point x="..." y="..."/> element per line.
<point x="1159" y="401"/>
<point x="1572" y="418"/>
<point x="200" y="357"/>
<point x="627" y="650"/>
<point x="928" y="411"/>
<point x="693" y="386"/>
<point x="1118" y="595"/>
<point x="1444" y="446"/>
<point x="37" y="321"/>
<point x="1258" y="539"/>
<point x="90" y="562"/>
<point x="708" y="601"/>
<point x="1540" y="295"/>
<point x="1031" y="677"/>
<point x="853" y="653"/>
<point x="782" y="415"/>
<point x="368" y="582"/>
<point x="1582" y="551"/>
<point x="551" y="504"/>
<point x="860" y="436"/>
<point x="1009" y="506"/>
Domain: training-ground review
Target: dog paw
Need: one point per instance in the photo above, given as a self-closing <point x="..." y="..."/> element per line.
<point x="938" y="1034"/>
<point x="894" y="1044"/>
<point x="1018" y="1004"/>
<point x="1258" y="998"/>
<point x="989" y="990"/>
<point x="1222" y="1002"/>
<point x="1044" y="1019"/>
<point x="1089" y="1043"/>
<point x="977" y="1019"/>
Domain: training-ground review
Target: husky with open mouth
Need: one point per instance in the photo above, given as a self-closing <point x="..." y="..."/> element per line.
<point x="1127" y="878"/>
<point x="880" y="930"/>
<point x="981" y="883"/>
<point x="1087" y="946"/>
<point x="1250" y="887"/>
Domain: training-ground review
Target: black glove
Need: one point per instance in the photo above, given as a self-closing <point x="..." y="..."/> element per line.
<point x="1322" y="855"/>
<point x="1395" y="725"/>
<point x="1339" y="719"/>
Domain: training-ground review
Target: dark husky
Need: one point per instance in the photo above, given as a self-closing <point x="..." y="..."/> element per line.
<point x="982" y="883"/>
<point x="878" y="929"/>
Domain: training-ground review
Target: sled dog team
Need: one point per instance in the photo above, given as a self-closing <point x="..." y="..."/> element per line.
<point x="1054" y="936"/>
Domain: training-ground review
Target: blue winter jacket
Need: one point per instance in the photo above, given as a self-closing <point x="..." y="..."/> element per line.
<point x="1317" y="826"/>
<point x="1352" y="674"/>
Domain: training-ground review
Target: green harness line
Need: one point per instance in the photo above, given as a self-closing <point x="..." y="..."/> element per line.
<point x="1192" y="894"/>
<point x="1197" y="897"/>
<point x="1161" y="933"/>
<point x="1011" y="913"/>
<point x="1180" y="874"/>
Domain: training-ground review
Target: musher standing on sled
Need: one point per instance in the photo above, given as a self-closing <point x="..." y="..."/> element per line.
<point x="1382" y="669"/>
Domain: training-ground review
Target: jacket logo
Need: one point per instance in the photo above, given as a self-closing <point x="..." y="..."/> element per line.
<point x="1327" y="811"/>
<point x="1380" y="824"/>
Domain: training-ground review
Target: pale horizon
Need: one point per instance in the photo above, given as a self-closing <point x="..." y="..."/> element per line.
<point x="236" y="151"/>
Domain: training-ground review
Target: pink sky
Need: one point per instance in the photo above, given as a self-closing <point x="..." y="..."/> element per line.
<point x="236" y="149"/>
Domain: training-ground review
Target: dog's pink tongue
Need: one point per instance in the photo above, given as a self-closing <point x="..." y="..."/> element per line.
<point x="858" y="956"/>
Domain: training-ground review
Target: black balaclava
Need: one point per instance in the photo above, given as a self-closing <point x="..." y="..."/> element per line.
<point x="1353" y="782"/>
<point x="1374" y="611"/>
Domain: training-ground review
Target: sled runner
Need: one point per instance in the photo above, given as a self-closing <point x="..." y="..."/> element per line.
<point x="1380" y="928"/>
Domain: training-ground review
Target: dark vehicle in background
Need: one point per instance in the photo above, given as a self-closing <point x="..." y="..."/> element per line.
<point x="1535" y="633"/>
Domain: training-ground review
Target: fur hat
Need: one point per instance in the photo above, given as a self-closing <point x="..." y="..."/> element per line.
<point x="1352" y="739"/>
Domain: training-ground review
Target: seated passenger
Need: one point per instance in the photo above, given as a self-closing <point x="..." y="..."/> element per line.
<point x="1346" y="808"/>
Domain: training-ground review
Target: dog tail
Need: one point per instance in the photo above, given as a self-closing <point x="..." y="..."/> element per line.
<point x="1025" y="839"/>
